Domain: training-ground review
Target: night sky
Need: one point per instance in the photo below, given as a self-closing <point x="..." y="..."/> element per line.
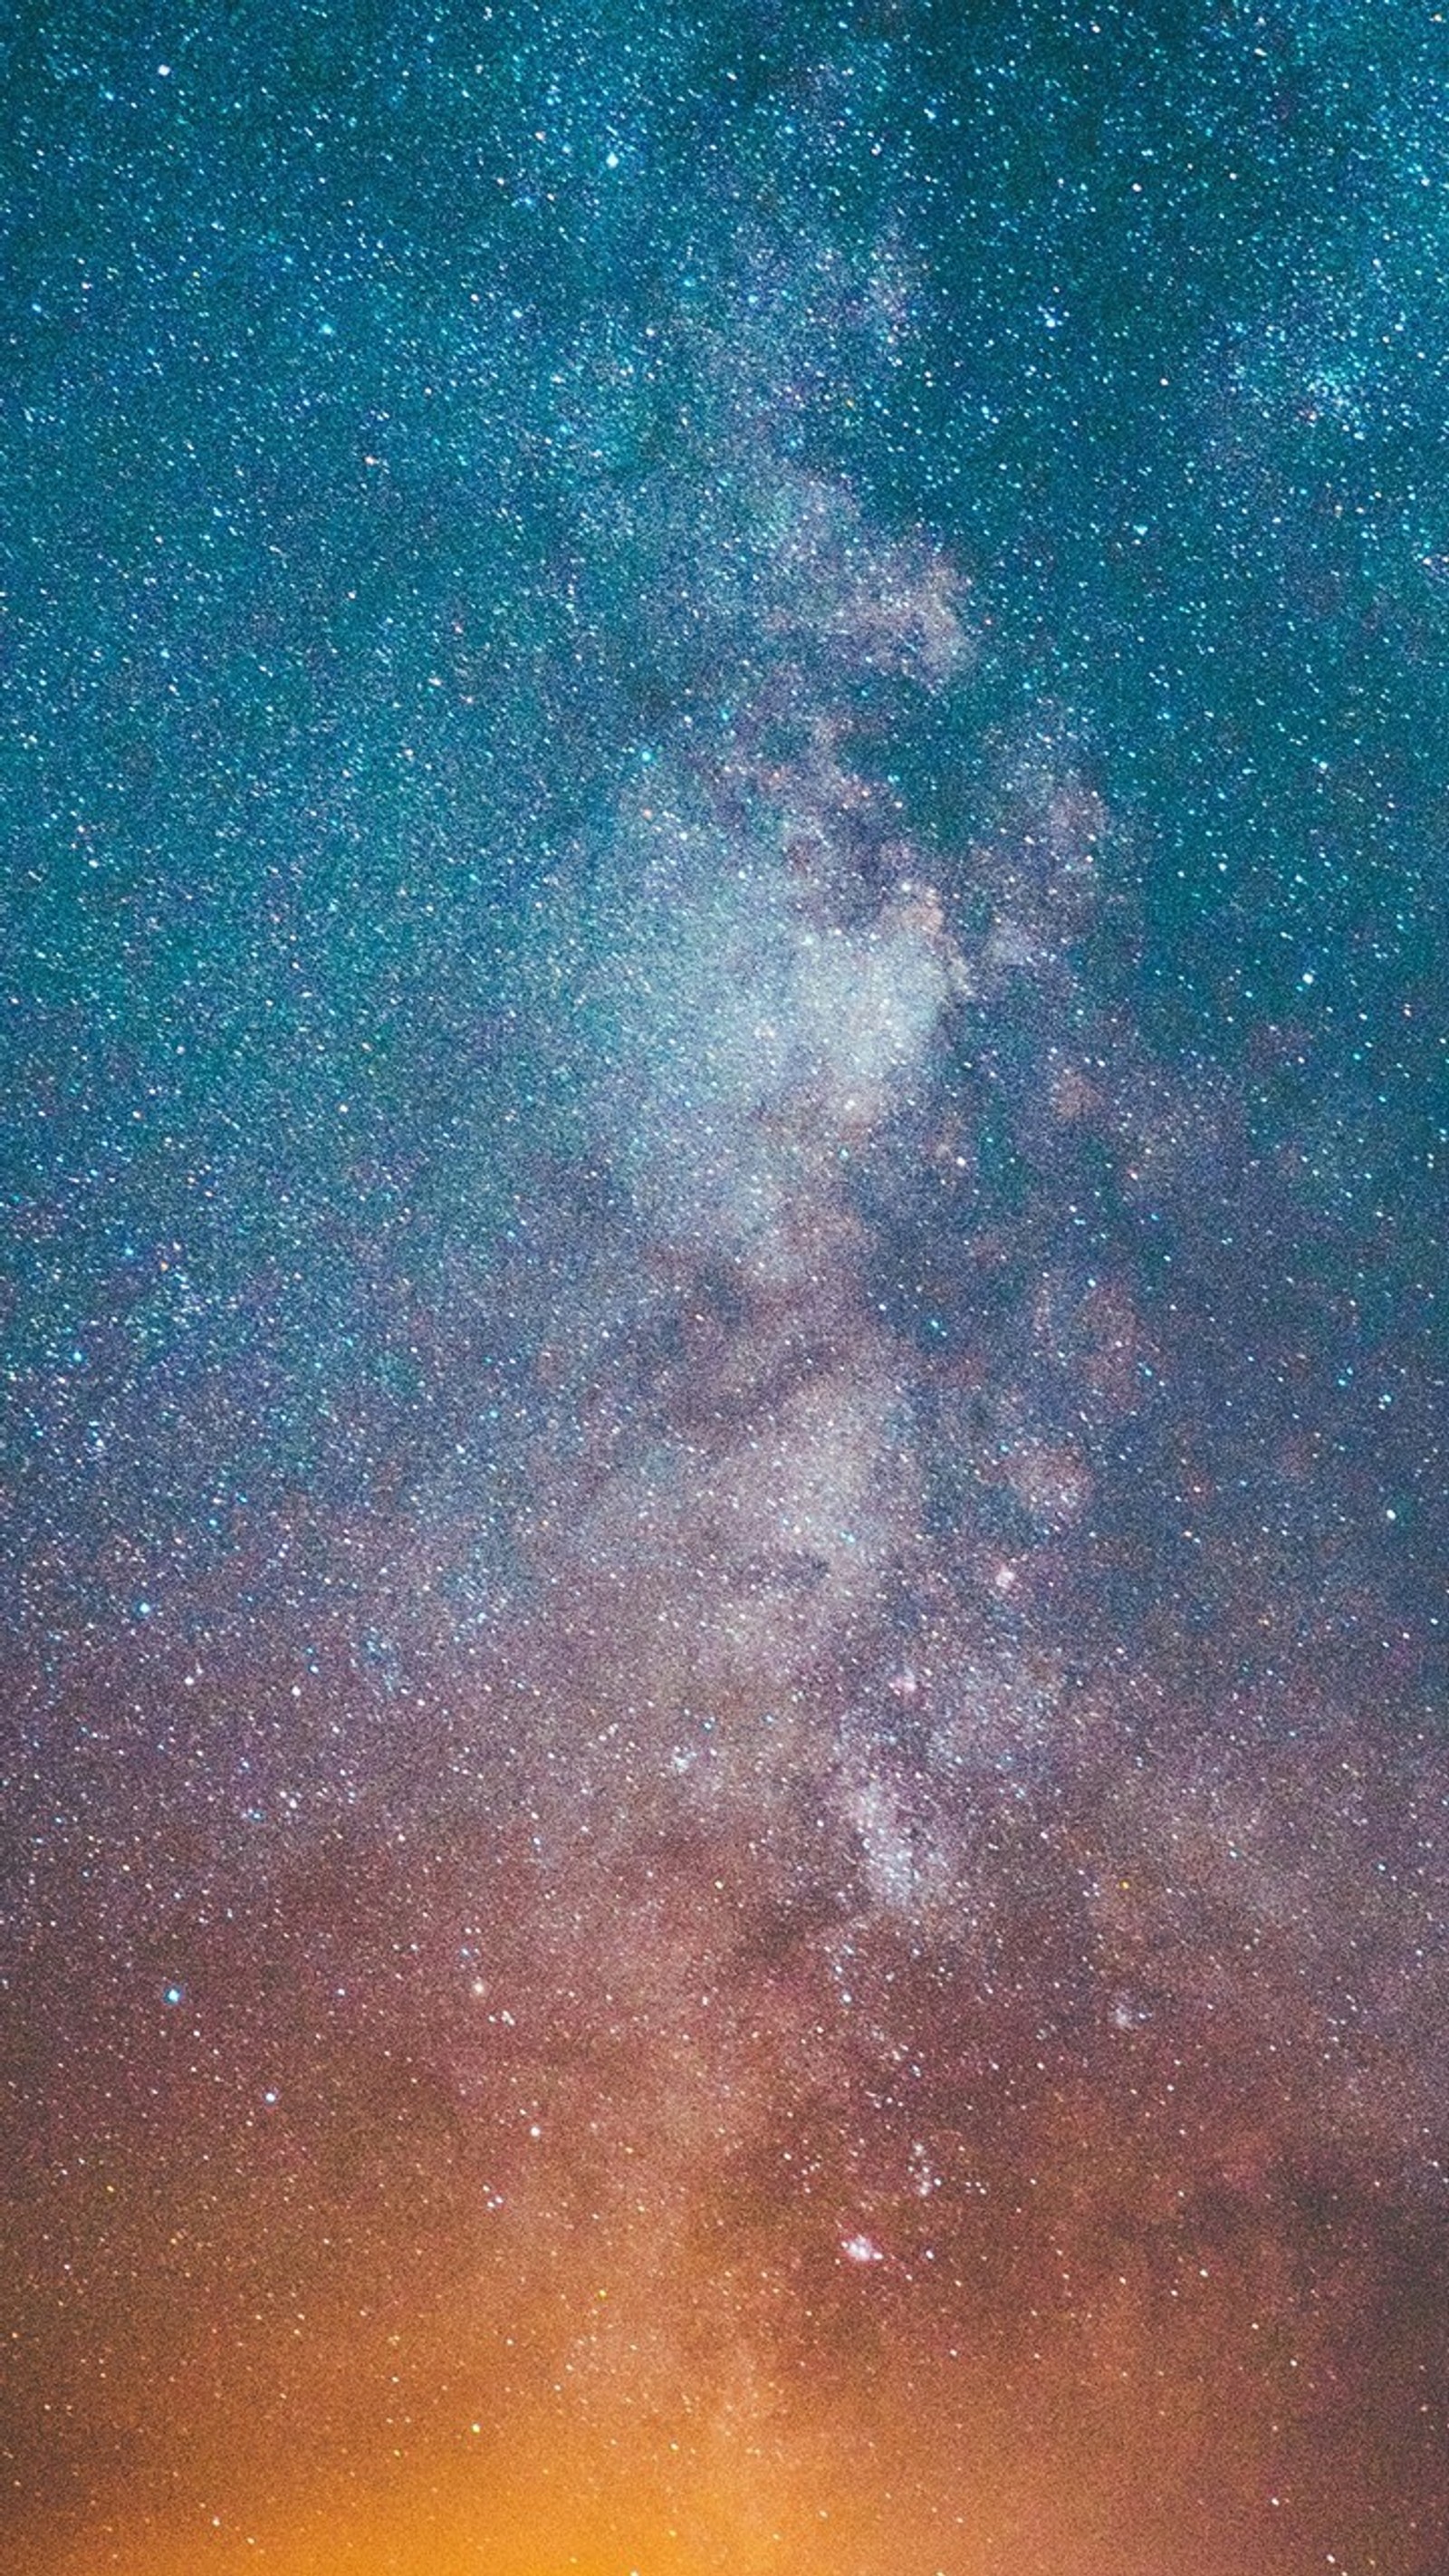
<point x="723" y="1628"/>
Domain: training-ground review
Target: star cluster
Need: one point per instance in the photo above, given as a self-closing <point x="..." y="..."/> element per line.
<point x="727" y="1816"/>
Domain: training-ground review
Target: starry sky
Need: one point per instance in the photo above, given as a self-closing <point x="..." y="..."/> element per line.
<point x="722" y="1606"/>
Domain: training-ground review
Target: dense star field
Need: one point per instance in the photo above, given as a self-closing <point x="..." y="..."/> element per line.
<point x="725" y="1704"/>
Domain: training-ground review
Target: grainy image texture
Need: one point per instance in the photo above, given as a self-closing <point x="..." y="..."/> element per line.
<point x="724" y="1705"/>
